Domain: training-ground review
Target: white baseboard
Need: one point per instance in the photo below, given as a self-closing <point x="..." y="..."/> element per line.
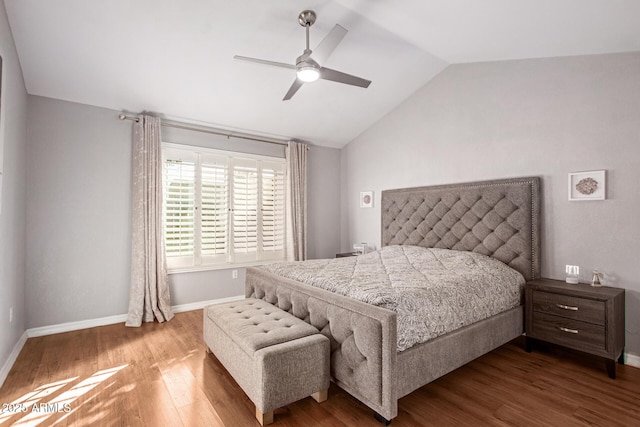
<point x="120" y="318"/>
<point x="632" y="359"/>
<point x="202" y="304"/>
<point x="75" y="326"/>
<point x="4" y="372"/>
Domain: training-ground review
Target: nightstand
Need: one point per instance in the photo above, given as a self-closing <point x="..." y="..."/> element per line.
<point x="581" y="317"/>
<point x="346" y="254"/>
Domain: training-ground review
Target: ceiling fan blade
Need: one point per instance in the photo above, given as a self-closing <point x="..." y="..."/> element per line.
<point x="265" y="62"/>
<point x="337" y="76"/>
<point x="297" y="84"/>
<point x="328" y="44"/>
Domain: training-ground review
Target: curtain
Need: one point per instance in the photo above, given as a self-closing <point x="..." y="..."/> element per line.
<point x="149" y="295"/>
<point x="296" y="192"/>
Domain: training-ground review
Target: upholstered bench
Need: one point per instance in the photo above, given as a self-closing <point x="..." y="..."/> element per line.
<point x="275" y="357"/>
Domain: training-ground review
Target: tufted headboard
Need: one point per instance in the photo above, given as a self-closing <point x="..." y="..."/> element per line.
<point x="498" y="218"/>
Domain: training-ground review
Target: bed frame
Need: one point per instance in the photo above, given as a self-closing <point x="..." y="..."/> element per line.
<point x="498" y="218"/>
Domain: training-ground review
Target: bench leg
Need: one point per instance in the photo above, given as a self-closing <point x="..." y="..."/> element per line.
<point x="320" y="396"/>
<point x="382" y="420"/>
<point x="264" y="419"/>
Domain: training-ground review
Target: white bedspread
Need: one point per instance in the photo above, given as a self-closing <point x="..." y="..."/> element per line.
<point x="433" y="291"/>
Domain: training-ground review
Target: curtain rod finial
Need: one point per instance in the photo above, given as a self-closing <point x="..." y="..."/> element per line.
<point x="125" y="117"/>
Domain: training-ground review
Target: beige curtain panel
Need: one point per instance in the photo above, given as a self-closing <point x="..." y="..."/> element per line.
<point x="149" y="298"/>
<point x="296" y="192"/>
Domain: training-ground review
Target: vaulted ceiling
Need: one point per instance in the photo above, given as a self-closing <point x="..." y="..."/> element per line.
<point x="176" y="57"/>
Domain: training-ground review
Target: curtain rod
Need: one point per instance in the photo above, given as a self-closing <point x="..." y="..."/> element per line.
<point x="183" y="126"/>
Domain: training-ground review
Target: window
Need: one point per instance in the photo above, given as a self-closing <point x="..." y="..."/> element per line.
<point x="222" y="208"/>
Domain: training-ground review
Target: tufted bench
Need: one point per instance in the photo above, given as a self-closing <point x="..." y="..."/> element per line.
<point x="275" y="357"/>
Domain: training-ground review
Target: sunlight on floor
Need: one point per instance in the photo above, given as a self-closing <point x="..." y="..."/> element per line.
<point x="34" y="408"/>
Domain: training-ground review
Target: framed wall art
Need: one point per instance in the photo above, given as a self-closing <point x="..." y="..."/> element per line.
<point x="587" y="185"/>
<point x="366" y="199"/>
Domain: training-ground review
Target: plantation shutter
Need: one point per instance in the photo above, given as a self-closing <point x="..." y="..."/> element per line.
<point x="214" y="210"/>
<point x="220" y="209"/>
<point x="273" y="216"/>
<point x="245" y="210"/>
<point x="179" y="193"/>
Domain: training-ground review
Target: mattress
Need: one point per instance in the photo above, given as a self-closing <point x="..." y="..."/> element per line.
<point x="432" y="291"/>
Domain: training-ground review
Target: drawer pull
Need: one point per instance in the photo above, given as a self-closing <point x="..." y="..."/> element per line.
<point x="571" y="331"/>
<point x="567" y="307"/>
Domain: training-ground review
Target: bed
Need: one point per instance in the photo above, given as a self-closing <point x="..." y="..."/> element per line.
<point x="498" y="219"/>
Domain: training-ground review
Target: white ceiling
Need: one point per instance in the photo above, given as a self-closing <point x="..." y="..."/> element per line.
<point x="176" y="57"/>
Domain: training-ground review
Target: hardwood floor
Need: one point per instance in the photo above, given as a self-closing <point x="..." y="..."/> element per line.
<point x="160" y="375"/>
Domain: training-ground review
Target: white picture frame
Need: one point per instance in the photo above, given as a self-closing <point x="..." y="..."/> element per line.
<point x="589" y="185"/>
<point x="366" y="199"/>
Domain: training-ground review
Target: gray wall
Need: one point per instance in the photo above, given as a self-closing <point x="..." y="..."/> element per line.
<point x="13" y="115"/>
<point x="78" y="213"/>
<point x="78" y="226"/>
<point x="544" y="117"/>
<point x="323" y="218"/>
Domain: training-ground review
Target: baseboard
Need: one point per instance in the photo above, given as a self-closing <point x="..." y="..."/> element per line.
<point x="75" y="326"/>
<point x="202" y="304"/>
<point x="120" y="318"/>
<point x="632" y="359"/>
<point x="4" y="372"/>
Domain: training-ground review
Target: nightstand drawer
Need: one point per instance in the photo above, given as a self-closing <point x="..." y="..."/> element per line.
<point x="568" y="332"/>
<point x="570" y="307"/>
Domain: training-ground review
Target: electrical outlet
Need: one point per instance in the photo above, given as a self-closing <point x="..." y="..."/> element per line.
<point x="11" y="314"/>
<point x="234" y="274"/>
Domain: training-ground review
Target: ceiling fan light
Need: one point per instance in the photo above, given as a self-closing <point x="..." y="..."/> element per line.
<point x="308" y="74"/>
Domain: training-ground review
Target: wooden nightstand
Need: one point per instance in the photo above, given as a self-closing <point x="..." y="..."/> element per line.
<point x="581" y="317"/>
<point x="346" y="254"/>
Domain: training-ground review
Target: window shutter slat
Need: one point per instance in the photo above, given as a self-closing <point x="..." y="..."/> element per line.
<point x="215" y="210"/>
<point x="273" y="203"/>
<point x="245" y="209"/>
<point x="179" y="185"/>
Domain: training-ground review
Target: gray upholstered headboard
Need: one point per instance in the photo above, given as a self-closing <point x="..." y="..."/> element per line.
<point x="499" y="218"/>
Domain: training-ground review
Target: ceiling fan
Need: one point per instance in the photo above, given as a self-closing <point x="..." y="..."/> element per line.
<point x="308" y="65"/>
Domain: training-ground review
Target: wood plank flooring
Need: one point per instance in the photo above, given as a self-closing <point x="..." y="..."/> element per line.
<point x="160" y="375"/>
